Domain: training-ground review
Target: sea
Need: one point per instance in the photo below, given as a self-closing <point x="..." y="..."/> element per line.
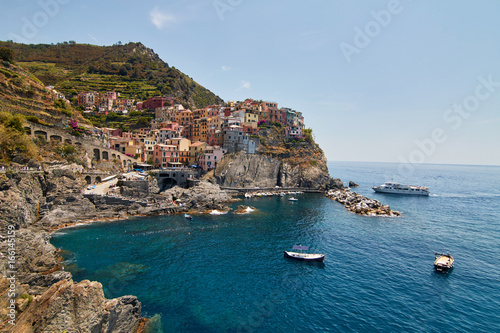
<point x="227" y="273"/>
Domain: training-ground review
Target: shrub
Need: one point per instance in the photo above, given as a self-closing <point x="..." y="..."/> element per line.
<point x="7" y="54"/>
<point x="68" y="150"/>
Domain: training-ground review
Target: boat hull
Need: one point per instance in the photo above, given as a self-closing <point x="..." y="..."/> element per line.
<point x="395" y="191"/>
<point x="311" y="257"/>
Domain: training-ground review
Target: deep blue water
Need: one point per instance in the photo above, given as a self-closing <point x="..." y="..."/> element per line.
<point x="227" y="273"/>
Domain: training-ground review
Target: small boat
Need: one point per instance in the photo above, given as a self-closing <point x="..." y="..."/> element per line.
<point x="189" y="217"/>
<point x="293" y="199"/>
<point x="303" y="256"/>
<point x="443" y="262"/>
<point x="248" y="195"/>
<point x="396" y="188"/>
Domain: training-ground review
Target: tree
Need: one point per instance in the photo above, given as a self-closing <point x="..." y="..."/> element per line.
<point x="7" y="54"/>
<point x="143" y="122"/>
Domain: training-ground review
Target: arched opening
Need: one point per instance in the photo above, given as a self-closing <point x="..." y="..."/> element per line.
<point x="88" y="179"/>
<point x="105" y="155"/>
<point x="41" y="134"/>
<point x="27" y="130"/>
<point x="97" y="154"/>
<point x="68" y="141"/>
<point x="56" y="138"/>
<point x="78" y="144"/>
<point x="98" y="179"/>
<point x="166" y="183"/>
<point x="113" y="156"/>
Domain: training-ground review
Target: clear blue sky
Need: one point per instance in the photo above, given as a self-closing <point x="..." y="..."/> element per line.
<point x="394" y="81"/>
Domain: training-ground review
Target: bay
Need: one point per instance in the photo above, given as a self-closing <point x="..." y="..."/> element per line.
<point x="226" y="273"/>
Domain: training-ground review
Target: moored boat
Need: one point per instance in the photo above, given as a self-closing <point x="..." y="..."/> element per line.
<point x="189" y="217"/>
<point x="293" y="199"/>
<point x="396" y="188"/>
<point x="303" y="256"/>
<point x="443" y="262"/>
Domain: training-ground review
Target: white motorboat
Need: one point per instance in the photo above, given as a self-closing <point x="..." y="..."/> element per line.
<point x="396" y="188"/>
<point x="443" y="262"/>
<point x="303" y="256"/>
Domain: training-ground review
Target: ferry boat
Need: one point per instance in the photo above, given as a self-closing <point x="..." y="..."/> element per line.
<point x="443" y="262"/>
<point x="396" y="188"/>
<point x="303" y="256"/>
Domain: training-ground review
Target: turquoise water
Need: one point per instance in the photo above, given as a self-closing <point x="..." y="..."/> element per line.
<point x="227" y="273"/>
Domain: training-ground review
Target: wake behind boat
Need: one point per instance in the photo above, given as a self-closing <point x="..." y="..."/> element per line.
<point x="303" y="256"/>
<point x="396" y="188"/>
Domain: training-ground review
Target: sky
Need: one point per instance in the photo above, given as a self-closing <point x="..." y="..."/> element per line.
<point x="383" y="81"/>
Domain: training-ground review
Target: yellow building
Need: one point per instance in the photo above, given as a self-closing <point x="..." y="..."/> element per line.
<point x="200" y="128"/>
<point x="195" y="150"/>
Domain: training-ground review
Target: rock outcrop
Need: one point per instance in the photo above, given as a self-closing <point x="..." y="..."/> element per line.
<point x="248" y="170"/>
<point x="75" y="307"/>
<point x="46" y="298"/>
<point x="361" y="205"/>
<point x="201" y="198"/>
<point x="253" y="170"/>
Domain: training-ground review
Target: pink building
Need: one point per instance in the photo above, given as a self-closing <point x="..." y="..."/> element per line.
<point x="271" y="111"/>
<point x="154" y="102"/>
<point x="166" y="156"/>
<point x="208" y="160"/>
<point x="109" y="94"/>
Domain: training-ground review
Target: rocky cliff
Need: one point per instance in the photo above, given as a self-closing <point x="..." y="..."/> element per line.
<point x="281" y="162"/>
<point x="41" y="296"/>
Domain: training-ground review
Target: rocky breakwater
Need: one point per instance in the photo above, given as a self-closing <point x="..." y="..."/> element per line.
<point x="361" y="205"/>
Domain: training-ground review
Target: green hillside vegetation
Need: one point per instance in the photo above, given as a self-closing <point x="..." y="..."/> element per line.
<point x="23" y="93"/>
<point x="13" y="139"/>
<point x="304" y="152"/>
<point x="132" y="121"/>
<point x="132" y="70"/>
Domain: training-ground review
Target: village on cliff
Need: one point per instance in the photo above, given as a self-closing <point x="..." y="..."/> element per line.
<point x="178" y="136"/>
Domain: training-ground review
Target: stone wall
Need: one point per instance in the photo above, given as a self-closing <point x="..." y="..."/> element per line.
<point x="135" y="188"/>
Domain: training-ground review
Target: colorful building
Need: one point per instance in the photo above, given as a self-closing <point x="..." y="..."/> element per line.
<point x="208" y="160"/>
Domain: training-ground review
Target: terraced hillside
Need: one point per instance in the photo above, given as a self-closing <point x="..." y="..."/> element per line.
<point x="22" y="93"/>
<point x="132" y="70"/>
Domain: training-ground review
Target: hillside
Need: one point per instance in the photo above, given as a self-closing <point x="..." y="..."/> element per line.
<point x="22" y="92"/>
<point x="132" y="70"/>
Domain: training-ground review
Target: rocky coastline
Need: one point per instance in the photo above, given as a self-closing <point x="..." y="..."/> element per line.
<point x="36" y="294"/>
<point x="33" y="204"/>
<point x="361" y="205"/>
